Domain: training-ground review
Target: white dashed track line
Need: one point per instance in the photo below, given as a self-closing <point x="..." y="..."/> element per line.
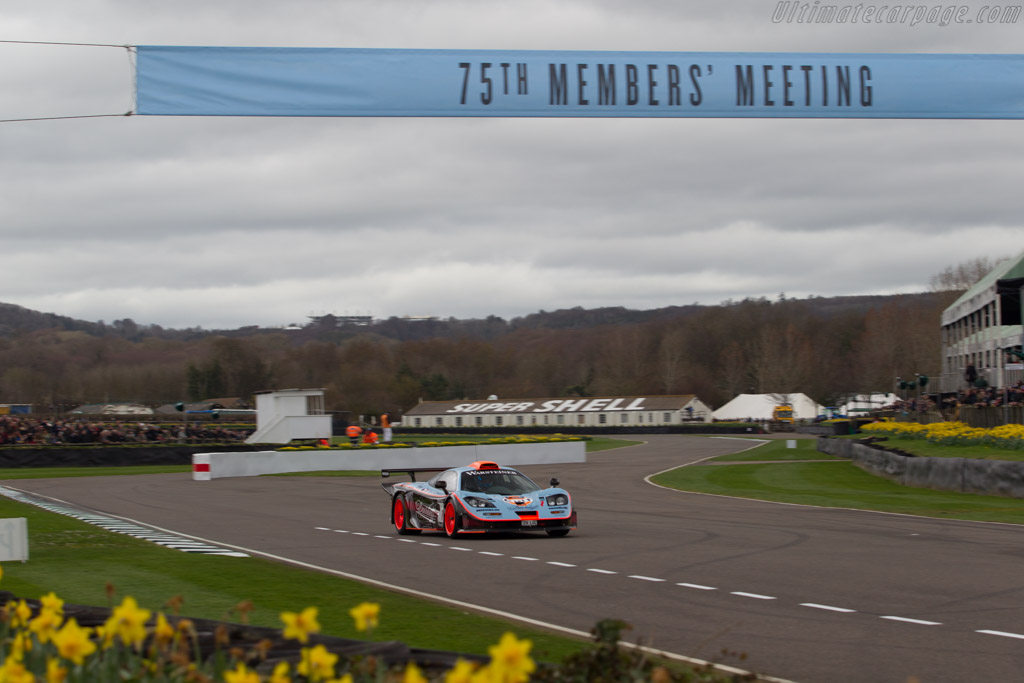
<point x="1004" y="634"/>
<point x="907" y="620"/>
<point x="755" y="596"/>
<point x="829" y="608"/>
<point x="683" y="584"/>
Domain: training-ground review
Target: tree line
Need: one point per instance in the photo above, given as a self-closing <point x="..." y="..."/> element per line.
<point x="823" y="347"/>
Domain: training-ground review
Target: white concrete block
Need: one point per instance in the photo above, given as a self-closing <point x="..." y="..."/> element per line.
<point x="13" y="539"/>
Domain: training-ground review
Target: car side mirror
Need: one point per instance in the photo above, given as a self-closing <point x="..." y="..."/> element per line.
<point x="443" y="485"/>
<point x="554" y="482"/>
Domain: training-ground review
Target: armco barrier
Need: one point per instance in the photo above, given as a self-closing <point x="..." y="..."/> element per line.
<point x="965" y="475"/>
<point x="206" y="466"/>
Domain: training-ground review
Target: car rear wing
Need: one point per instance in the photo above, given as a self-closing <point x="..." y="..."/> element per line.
<point x="412" y="471"/>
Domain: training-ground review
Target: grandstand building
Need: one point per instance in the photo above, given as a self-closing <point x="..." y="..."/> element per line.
<point x="981" y="331"/>
<point x="607" y="411"/>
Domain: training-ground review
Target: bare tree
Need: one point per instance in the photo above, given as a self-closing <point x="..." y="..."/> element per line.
<point x="962" y="276"/>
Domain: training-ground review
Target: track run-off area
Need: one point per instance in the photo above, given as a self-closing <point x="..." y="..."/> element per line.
<point x="806" y="594"/>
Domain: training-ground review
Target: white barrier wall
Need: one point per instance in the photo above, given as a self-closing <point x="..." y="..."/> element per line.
<point x="206" y="466"/>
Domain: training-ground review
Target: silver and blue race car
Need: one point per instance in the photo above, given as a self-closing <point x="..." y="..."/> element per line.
<point x="479" y="498"/>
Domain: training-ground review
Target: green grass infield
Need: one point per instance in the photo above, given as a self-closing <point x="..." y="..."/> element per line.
<point x="763" y="473"/>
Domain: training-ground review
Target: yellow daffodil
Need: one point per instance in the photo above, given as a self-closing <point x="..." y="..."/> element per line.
<point x="50" y="601"/>
<point x="280" y="674"/>
<point x="163" y="634"/>
<point x="485" y="674"/>
<point x="73" y="642"/>
<point x="1010" y="436"/>
<point x="510" y="659"/>
<point x="462" y="672"/>
<point x="105" y="635"/>
<point x="129" y="622"/>
<point x="241" y="674"/>
<point x="413" y="674"/>
<point x="21" y="644"/>
<point x="45" y="625"/>
<point x="365" y="615"/>
<point x="299" y="626"/>
<point x="14" y="671"/>
<point x="317" y="663"/>
<point x="18" y="613"/>
<point x="55" y="673"/>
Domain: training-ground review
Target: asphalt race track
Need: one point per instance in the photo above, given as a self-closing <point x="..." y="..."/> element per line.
<point x="807" y="594"/>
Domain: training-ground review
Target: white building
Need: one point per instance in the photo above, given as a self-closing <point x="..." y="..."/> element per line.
<point x="290" y="414"/>
<point x="606" y="411"/>
<point x="983" y="327"/>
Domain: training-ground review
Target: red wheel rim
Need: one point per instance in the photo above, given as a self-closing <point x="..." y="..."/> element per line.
<point x="399" y="514"/>
<point x="449" y="518"/>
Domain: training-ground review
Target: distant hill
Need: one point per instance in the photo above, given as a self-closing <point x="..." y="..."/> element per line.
<point x="16" y="319"/>
<point x="824" y="307"/>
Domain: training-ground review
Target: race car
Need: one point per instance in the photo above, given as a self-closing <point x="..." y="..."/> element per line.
<point x="479" y="498"/>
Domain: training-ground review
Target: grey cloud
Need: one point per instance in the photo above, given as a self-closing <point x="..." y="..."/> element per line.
<point x="234" y="221"/>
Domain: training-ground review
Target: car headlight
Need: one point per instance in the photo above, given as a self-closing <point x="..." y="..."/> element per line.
<point x="557" y="500"/>
<point x="478" y="502"/>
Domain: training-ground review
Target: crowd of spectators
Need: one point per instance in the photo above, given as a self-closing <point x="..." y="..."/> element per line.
<point x="949" y="404"/>
<point x="24" y="430"/>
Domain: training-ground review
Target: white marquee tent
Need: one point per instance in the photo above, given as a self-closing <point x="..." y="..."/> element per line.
<point x="759" y="407"/>
<point x="862" y="403"/>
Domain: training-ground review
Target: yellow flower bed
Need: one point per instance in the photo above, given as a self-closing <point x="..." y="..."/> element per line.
<point x="555" y="438"/>
<point x="130" y="646"/>
<point x="1009" y="437"/>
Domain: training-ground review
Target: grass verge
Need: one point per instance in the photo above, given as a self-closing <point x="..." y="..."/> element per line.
<point x="804" y="449"/>
<point x="60" y="472"/>
<point x="838" y="484"/>
<point x="77" y="561"/>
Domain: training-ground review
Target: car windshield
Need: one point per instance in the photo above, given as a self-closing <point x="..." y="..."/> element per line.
<point x="498" y="482"/>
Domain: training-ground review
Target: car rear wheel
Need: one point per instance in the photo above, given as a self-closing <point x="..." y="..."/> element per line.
<point x="400" y="516"/>
<point x="451" y="520"/>
<point x="558" y="533"/>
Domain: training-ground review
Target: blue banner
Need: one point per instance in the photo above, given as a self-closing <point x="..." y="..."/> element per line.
<point x="265" y="81"/>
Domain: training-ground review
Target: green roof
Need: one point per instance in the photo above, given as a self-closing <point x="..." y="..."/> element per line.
<point x="1010" y="268"/>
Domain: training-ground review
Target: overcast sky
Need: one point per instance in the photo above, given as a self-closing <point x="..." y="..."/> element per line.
<point x="225" y="222"/>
